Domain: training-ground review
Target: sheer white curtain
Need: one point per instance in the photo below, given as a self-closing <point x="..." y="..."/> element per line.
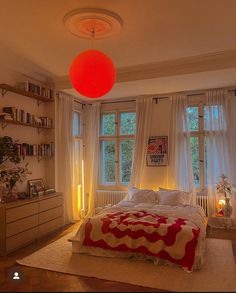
<point x="92" y="123"/>
<point x="64" y="155"/>
<point x="232" y="143"/>
<point x="143" y="118"/>
<point x="180" y="171"/>
<point x="218" y="129"/>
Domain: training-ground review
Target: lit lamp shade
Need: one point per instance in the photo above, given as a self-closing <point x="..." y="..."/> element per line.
<point x="92" y="74"/>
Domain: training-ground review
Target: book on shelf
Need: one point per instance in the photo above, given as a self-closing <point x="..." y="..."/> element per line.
<point x="41" y="150"/>
<point x="37" y="89"/>
<point x="46" y="121"/>
<point x="19" y="115"/>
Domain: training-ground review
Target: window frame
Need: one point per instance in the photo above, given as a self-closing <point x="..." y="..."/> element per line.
<point x="200" y="102"/>
<point x="117" y="138"/>
<point x="200" y="134"/>
<point x="79" y="138"/>
<point x="81" y="124"/>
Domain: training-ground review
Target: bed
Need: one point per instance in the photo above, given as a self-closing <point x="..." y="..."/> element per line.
<point x="159" y="226"/>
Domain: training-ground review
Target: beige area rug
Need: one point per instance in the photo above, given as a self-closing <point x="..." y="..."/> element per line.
<point x="217" y="274"/>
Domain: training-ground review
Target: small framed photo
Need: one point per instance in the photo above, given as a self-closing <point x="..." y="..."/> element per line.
<point x="36" y="187"/>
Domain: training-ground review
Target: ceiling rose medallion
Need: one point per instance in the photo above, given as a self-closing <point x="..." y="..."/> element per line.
<point x="92" y="73"/>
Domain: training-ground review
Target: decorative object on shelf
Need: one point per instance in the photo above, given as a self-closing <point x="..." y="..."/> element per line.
<point x="36" y="89"/>
<point x="23" y="195"/>
<point x="92" y="73"/>
<point x="10" y="171"/>
<point x="19" y="115"/>
<point x="224" y="188"/>
<point x="22" y="91"/>
<point x="36" y="187"/>
<point x="50" y="190"/>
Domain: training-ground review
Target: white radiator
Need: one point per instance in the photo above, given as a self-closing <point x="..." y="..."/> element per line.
<point x="202" y="201"/>
<point x="105" y="197"/>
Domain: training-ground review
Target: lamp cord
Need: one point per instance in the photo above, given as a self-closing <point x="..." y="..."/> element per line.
<point x="93" y="31"/>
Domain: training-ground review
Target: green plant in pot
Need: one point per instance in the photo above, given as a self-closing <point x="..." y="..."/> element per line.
<point x="10" y="170"/>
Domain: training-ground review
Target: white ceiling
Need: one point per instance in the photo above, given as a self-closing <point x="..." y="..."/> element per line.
<point x="156" y="34"/>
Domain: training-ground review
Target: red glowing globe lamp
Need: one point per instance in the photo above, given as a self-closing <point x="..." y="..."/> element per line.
<point x="92" y="74"/>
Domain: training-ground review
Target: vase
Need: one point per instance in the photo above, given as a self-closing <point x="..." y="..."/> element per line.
<point x="3" y="193"/>
<point x="9" y="194"/>
<point x="227" y="209"/>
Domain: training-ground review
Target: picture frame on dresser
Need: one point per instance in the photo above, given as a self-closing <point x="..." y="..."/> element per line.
<point x="36" y="187"/>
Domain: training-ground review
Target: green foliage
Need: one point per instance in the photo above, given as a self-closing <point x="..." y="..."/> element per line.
<point x="126" y="159"/>
<point x="193" y="118"/>
<point x="109" y="161"/>
<point x="8" y="150"/>
<point x="108" y="124"/>
<point x="194" y="144"/>
<point x="127" y="127"/>
<point x="128" y="123"/>
<point x="9" y="153"/>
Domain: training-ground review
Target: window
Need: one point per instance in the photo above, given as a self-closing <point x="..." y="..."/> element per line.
<point x="117" y="137"/>
<point x="78" y="143"/>
<point x="201" y="119"/>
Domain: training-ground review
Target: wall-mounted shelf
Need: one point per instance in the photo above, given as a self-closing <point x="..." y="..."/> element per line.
<point x="6" y="122"/>
<point x="39" y="158"/>
<point x="8" y="88"/>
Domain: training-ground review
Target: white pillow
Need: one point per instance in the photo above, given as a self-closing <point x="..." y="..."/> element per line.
<point x="172" y="198"/>
<point x="186" y="195"/>
<point x="142" y="195"/>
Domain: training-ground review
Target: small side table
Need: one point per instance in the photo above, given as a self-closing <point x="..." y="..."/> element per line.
<point x="220" y="222"/>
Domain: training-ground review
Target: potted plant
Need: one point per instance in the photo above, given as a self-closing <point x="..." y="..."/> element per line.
<point x="10" y="171"/>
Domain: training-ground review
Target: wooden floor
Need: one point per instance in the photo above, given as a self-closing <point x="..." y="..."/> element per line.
<point x="38" y="280"/>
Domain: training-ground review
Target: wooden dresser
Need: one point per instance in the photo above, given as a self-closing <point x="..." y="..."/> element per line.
<point x="24" y="221"/>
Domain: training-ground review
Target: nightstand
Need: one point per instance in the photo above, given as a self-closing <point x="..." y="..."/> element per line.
<point x="220" y="222"/>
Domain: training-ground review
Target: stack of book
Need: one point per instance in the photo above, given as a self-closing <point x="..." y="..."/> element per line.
<point x="25" y="149"/>
<point x="19" y="115"/>
<point x="37" y="89"/>
<point x="45" y="121"/>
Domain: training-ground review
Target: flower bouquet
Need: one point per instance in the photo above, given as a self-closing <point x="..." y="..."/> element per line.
<point x="223" y="186"/>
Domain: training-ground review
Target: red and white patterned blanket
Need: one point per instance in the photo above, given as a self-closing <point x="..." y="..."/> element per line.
<point x="168" y="238"/>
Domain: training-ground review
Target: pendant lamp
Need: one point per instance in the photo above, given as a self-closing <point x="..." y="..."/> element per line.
<point x="92" y="73"/>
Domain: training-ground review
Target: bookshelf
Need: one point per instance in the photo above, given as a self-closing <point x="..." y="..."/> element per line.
<point x="6" y="122"/>
<point x="8" y="88"/>
<point x="19" y="117"/>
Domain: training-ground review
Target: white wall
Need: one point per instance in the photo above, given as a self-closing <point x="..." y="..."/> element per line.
<point x="44" y="168"/>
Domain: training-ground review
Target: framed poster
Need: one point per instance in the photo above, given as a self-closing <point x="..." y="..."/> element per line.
<point x="157" y="152"/>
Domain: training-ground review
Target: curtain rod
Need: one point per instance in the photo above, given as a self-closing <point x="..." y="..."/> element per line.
<point x="167" y="97"/>
<point x="160" y="97"/>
